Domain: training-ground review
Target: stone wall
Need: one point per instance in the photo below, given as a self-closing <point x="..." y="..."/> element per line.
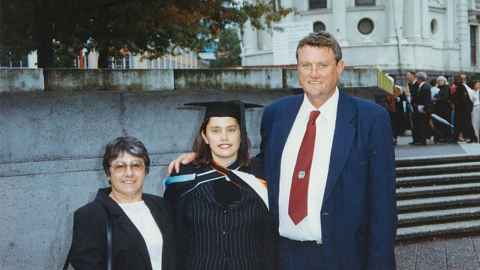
<point x="51" y="145"/>
<point x="20" y="80"/>
<point x="71" y="80"/>
<point x="112" y="79"/>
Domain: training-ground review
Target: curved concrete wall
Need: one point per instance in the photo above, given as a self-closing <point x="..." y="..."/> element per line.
<point x="50" y="149"/>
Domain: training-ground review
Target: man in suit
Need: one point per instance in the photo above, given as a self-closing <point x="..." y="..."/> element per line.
<point x="329" y="162"/>
<point x="423" y="102"/>
<point x="350" y="220"/>
<point x="413" y="89"/>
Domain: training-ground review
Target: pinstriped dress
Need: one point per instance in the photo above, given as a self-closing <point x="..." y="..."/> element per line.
<point x="218" y="228"/>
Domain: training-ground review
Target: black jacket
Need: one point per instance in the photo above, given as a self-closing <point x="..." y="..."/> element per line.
<point x="423" y="97"/>
<point x="128" y="247"/>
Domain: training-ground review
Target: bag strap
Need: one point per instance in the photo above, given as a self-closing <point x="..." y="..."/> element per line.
<point x="108" y="230"/>
<point x="67" y="260"/>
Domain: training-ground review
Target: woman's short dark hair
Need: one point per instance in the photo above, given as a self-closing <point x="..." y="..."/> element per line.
<point x="127" y="144"/>
<point x="204" y="153"/>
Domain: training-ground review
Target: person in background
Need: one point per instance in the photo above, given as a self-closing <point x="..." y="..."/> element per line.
<point x="474" y="97"/>
<point x="395" y="107"/>
<point x="434" y="90"/>
<point x="404" y="111"/>
<point x="422" y="105"/>
<point x="140" y="225"/>
<point x="442" y="108"/>
<point x="463" y="111"/>
<point x="412" y="84"/>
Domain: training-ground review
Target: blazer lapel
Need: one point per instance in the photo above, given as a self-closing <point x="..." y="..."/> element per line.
<point x="342" y="141"/>
<point x="157" y="214"/>
<point x="284" y="124"/>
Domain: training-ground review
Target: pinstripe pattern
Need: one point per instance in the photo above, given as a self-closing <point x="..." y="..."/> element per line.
<point x="213" y="236"/>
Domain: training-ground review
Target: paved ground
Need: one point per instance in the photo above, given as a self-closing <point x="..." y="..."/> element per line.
<point x="404" y="150"/>
<point x="442" y="254"/>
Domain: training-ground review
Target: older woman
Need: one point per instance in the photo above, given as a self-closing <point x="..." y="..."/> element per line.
<point x="221" y="208"/>
<point x="442" y="108"/>
<point x="123" y="226"/>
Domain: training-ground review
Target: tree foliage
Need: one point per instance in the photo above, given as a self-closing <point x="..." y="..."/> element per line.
<point x="154" y="27"/>
<point x="228" y="51"/>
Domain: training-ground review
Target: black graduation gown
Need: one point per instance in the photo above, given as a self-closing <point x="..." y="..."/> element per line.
<point x="214" y="235"/>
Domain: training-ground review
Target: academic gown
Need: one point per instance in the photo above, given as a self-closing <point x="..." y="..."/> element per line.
<point x="220" y="224"/>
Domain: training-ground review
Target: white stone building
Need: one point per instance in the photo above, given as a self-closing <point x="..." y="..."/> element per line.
<point x="395" y="35"/>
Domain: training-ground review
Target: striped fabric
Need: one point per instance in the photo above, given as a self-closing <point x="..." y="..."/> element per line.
<point x="214" y="236"/>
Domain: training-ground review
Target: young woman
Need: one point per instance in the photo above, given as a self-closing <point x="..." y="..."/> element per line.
<point x="221" y="208"/>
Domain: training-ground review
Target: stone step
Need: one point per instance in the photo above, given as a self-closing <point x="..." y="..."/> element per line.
<point x="436" y="230"/>
<point x="444" y="179"/>
<point x="438" y="169"/>
<point x="438" y="216"/>
<point x="436" y="203"/>
<point x="437" y="190"/>
<point x="435" y="160"/>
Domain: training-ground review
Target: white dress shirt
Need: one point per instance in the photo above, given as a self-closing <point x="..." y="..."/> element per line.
<point x="474" y="97"/>
<point x="142" y="218"/>
<point x="309" y="229"/>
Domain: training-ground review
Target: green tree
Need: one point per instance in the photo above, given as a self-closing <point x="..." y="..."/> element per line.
<point x="154" y="27"/>
<point x="228" y="52"/>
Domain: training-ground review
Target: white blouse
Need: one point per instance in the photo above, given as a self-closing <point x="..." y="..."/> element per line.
<point x="142" y="218"/>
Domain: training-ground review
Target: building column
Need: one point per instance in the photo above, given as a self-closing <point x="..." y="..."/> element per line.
<point x="425" y="21"/>
<point x="32" y="60"/>
<point x="287" y="3"/>
<point x="339" y="8"/>
<point x="250" y="39"/>
<point x="394" y="16"/>
<point x="463" y="32"/>
<point x="451" y="24"/>
<point x="412" y="18"/>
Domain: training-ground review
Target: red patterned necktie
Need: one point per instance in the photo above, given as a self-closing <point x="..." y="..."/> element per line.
<point x="297" y="207"/>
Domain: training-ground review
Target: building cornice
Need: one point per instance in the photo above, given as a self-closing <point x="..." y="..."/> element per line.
<point x="363" y="9"/>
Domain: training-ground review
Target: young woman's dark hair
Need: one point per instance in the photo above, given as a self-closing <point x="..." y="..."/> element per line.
<point x="204" y="153"/>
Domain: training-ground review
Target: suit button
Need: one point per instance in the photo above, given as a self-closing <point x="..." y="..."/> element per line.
<point x="225" y="211"/>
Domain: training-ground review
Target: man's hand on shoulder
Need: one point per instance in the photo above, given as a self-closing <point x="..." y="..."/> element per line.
<point x="184" y="158"/>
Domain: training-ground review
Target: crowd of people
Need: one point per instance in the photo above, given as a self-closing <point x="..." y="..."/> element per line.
<point x="436" y="110"/>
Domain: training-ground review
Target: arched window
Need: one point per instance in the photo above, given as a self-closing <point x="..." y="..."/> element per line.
<point x="434" y="26"/>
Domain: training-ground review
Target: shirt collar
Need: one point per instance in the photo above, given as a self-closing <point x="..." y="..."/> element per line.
<point x="328" y="109"/>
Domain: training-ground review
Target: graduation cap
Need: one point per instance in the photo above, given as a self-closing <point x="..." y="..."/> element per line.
<point x="232" y="108"/>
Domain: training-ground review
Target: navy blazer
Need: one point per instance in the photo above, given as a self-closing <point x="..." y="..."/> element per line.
<point x="358" y="215"/>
